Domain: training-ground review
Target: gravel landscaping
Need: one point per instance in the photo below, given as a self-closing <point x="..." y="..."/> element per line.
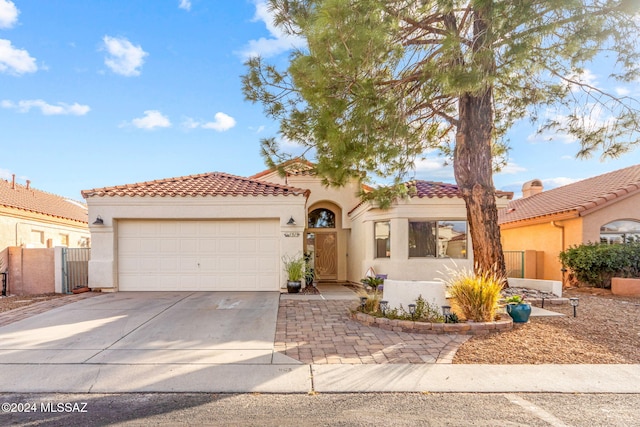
<point x="12" y="302"/>
<point x="606" y="330"/>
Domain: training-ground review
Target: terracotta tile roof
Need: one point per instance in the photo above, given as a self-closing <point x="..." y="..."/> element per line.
<point x="206" y="184"/>
<point x="574" y="198"/>
<point x="29" y="199"/>
<point x="432" y="189"/>
<point x="292" y="167"/>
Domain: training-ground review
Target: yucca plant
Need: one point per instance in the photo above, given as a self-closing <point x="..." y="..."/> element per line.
<point x="475" y="295"/>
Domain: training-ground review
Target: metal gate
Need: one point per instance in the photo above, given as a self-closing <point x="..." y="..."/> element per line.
<point x="514" y="261"/>
<point x="75" y="268"/>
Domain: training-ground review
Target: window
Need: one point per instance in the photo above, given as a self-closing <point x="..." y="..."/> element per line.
<point x="64" y="240"/>
<point x="321" y="218"/>
<point x="621" y="231"/>
<point x="441" y="239"/>
<point x="383" y="243"/>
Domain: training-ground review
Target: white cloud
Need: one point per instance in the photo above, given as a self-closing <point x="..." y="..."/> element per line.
<point x="430" y="168"/>
<point x="185" y="4"/>
<point x="512" y="168"/>
<point x="221" y="123"/>
<point x="125" y="58"/>
<point x="8" y="14"/>
<point x="622" y="91"/>
<point x="152" y="119"/>
<point x="15" y="61"/>
<point x="278" y="41"/>
<point x="47" y="109"/>
<point x="585" y="77"/>
<point x="550" y="183"/>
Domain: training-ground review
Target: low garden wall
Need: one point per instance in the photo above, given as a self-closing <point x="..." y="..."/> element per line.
<point x="464" y="328"/>
<point x="405" y="292"/>
<point x="625" y="287"/>
<point x="553" y="286"/>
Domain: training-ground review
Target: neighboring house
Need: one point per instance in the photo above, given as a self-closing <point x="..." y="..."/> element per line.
<point x="605" y="208"/>
<point x="217" y="231"/>
<point x="32" y="218"/>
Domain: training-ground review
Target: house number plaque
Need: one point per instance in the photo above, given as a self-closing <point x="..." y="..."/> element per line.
<point x="294" y="234"/>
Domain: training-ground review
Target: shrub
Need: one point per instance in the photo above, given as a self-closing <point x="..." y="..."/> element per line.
<point x="475" y="295"/>
<point x="294" y="267"/>
<point x="596" y="263"/>
<point x="424" y="312"/>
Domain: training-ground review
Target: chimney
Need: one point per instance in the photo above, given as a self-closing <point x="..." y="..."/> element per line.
<point x="28" y="184"/>
<point x="13" y="181"/>
<point x="531" y="188"/>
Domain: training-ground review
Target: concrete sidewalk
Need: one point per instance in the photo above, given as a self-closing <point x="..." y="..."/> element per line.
<point x="298" y="378"/>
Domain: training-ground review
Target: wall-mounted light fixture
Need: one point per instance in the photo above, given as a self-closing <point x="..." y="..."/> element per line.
<point x="291" y="221"/>
<point x="98" y="221"/>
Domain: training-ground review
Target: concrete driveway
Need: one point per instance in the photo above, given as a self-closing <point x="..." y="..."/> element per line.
<point x="149" y="327"/>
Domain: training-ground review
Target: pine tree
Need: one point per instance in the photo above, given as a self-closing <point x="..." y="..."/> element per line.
<point x="383" y="82"/>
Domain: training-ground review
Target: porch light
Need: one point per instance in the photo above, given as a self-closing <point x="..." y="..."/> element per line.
<point x="291" y="221"/>
<point x="542" y="298"/>
<point x="383" y="306"/>
<point x="412" y="309"/>
<point x="363" y="301"/>
<point x="98" y="221"/>
<point x="574" y="303"/>
<point x="446" y="312"/>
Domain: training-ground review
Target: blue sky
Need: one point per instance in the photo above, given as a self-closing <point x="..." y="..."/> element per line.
<point x="106" y="92"/>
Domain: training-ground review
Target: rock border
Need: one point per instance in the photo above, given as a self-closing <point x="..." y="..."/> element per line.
<point x="466" y="328"/>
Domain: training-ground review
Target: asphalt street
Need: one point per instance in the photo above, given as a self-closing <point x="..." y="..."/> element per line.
<point x="364" y="409"/>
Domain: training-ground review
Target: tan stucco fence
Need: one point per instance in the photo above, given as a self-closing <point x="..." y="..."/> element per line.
<point x="32" y="271"/>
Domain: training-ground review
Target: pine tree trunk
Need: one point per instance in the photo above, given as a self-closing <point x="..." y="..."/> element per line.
<point x="473" y="172"/>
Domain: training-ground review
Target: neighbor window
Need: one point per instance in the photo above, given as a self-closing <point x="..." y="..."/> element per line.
<point x="383" y="243"/>
<point x="441" y="239"/>
<point x="621" y="231"/>
<point x="322" y="218"/>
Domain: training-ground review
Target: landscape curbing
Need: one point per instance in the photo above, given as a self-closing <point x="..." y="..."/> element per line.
<point x="466" y="328"/>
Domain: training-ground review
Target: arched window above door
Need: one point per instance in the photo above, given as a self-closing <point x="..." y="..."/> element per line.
<point x="322" y="218"/>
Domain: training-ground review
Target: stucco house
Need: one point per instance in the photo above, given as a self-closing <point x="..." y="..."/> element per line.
<point x="216" y="231"/>
<point x="32" y="218"/>
<point x="604" y="208"/>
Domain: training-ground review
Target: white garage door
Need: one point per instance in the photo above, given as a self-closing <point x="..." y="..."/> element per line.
<point x="220" y="255"/>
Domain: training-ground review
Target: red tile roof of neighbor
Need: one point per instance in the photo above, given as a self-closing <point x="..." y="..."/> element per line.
<point x="431" y="189"/>
<point x="577" y="198"/>
<point x="206" y="184"/>
<point x="14" y="195"/>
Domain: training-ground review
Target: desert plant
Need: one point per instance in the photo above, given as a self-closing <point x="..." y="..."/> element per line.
<point x="514" y="299"/>
<point x="294" y="267"/>
<point x="373" y="282"/>
<point x="475" y="295"/>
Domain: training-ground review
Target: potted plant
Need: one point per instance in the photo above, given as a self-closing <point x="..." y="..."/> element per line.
<point x="295" y="268"/>
<point x="373" y="283"/>
<point x="518" y="309"/>
<point x="309" y="272"/>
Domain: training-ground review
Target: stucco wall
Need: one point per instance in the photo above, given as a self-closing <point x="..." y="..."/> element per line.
<point x="31" y="271"/>
<point x="31" y="230"/>
<point x="400" y="266"/>
<point x="628" y="208"/>
<point x="103" y="266"/>
<point x="547" y="239"/>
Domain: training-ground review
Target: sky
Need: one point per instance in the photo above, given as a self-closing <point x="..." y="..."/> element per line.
<point x="108" y="92"/>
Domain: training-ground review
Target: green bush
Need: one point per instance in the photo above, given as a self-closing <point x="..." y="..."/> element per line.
<point x="596" y="263"/>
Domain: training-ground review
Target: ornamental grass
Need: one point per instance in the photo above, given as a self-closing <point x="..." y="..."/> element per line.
<point x="476" y="296"/>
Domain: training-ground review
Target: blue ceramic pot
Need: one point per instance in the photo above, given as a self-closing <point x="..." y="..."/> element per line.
<point x="519" y="312"/>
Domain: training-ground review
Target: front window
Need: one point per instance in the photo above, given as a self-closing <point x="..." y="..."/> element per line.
<point x="621" y="231"/>
<point x="322" y="218"/>
<point x="441" y="239"/>
<point x="383" y="242"/>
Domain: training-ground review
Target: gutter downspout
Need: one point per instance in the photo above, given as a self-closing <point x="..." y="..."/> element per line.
<point x="564" y="269"/>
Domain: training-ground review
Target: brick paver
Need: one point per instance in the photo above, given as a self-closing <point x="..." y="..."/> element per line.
<point x="17" y="314"/>
<point x="322" y="332"/>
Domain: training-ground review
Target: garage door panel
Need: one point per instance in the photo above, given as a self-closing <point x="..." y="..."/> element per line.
<point x="198" y="255"/>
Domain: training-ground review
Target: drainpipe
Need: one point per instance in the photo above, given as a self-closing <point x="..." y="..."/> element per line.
<point x="564" y="269"/>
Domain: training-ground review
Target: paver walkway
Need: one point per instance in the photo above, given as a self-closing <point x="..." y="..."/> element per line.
<point x="321" y="332"/>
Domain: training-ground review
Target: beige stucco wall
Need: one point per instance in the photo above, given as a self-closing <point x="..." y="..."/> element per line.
<point x="399" y="266"/>
<point x="32" y="230"/>
<point x="546" y="238"/>
<point x="103" y="266"/>
<point x="627" y="208"/>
